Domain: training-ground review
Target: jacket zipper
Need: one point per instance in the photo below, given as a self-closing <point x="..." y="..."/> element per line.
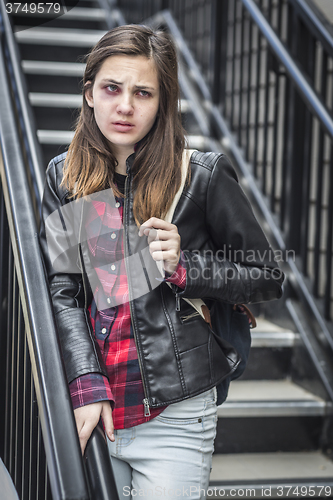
<point x="145" y="401"/>
<point x="177" y="302"/>
<point x="177" y="297"/>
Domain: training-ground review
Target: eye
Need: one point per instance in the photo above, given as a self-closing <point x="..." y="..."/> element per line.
<point x="112" y="88"/>
<point x="143" y="93"/>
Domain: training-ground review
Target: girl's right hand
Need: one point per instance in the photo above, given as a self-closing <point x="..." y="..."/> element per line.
<point x="87" y="417"/>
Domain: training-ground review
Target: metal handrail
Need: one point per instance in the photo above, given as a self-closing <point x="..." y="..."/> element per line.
<point x="66" y="471"/>
<point x="305" y="89"/>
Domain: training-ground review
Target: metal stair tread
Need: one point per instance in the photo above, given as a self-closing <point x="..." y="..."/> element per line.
<point x="264" y="325"/>
<point x="61" y="137"/>
<point x="57" y="137"/>
<point x="269" y="390"/>
<point x="53" y="68"/>
<point x="59" y="36"/>
<point x="271" y="466"/>
<point x="54" y="100"/>
<point x="268" y="334"/>
<point x="271" y="398"/>
<point x="45" y="99"/>
<point x="273" y="339"/>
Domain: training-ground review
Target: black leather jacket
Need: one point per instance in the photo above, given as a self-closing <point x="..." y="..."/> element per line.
<point x="227" y="257"/>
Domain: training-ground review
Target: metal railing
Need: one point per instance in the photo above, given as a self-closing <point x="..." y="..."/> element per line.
<point x="267" y="71"/>
<point x="38" y="439"/>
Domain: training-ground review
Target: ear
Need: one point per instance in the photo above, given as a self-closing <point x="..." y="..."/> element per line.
<point x="88" y="94"/>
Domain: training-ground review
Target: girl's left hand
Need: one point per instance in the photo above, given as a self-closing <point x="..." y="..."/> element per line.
<point x="163" y="241"/>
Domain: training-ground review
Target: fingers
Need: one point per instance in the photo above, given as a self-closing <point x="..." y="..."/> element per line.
<point x="167" y="250"/>
<point x="155" y="223"/>
<point x="108" y="421"/>
<point x="169" y="254"/>
<point x="87" y="417"/>
<point x="85" y="429"/>
<point x="164" y="242"/>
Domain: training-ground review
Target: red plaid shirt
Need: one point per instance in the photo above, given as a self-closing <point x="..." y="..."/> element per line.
<point x="112" y="326"/>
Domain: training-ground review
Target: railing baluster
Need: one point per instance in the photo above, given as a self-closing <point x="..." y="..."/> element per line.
<point x="233" y="66"/>
<point x="14" y="340"/>
<point x="8" y="421"/>
<point x="249" y="90"/>
<point x="276" y="194"/>
<point x="257" y="104"/>
<point x="274" y="191"/>
<point x="319" y="191"/>
<point x="19" y="399"/>
<point x="33" y="472"/>
<point x="4" y="348"/>
<point x="306" y="180"/>
<point x="219" y="22"/>
<point x="241" y="76"/>
<point x="27" y="421"/>
<point x="266" y="112"/>
<point x="329" y="244"/>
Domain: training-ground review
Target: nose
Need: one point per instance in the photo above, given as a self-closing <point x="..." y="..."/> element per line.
<point x="125" y="104"/>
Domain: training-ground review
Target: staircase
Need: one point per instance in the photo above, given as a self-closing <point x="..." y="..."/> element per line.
<point x="270" y="429"/>
<point x="274" y="436"/>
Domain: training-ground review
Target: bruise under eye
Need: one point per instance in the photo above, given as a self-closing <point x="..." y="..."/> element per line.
<point x="144" y="93"/>
<point x="112" y="88"/>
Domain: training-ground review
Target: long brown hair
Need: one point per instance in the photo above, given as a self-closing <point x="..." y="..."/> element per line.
<point x="90" y="163"/>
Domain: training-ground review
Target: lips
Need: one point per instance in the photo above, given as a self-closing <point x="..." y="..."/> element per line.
<point x="123" y="126"/>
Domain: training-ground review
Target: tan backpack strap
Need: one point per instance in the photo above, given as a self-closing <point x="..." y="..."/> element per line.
<point x="187" y="153"/>
<point x="197" y="304"/>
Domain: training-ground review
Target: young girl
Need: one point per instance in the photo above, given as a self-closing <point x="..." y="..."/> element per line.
<point x="121" y="274"/>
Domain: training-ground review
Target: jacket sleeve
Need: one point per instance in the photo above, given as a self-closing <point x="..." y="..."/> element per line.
<point x="242" y="267"/>
<point x="60" y="252"/>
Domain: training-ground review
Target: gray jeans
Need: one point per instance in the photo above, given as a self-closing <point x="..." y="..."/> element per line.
<point x="171" y="455"/>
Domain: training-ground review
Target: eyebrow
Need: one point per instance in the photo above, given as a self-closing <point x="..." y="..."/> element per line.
<point x="108" y="80"/>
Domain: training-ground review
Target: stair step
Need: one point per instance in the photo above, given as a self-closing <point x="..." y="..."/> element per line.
<point x="274" y="339"/>
<point x="268" y="334"/>
<point x="42" y="99"/>
<point x="55" y="136"/>
<point x="59" y="36"/>
<point x="273" y="398"/>
<point x="52" y="100"/>
<point x="262" y="475"/>
<point x="65" y="136"/>
<point x="53" y="68"/>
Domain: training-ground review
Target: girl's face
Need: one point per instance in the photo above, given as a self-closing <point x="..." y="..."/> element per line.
<point x="125" y="99"/>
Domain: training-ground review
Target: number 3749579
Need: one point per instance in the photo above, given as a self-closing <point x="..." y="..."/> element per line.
<point x="33" y="8"/>
<point x="304" y="491"/>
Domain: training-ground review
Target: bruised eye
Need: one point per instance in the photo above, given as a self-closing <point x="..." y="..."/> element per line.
<point x="112" y="88"/>
<point x="143" y="93"/>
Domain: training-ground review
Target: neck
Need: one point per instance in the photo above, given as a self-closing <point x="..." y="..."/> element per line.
<point x="121" y="156"/>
